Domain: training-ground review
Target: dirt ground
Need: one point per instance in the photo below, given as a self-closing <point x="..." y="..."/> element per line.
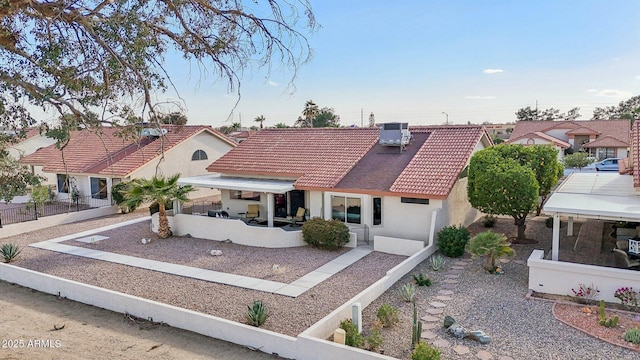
<point x="29" y="319"/>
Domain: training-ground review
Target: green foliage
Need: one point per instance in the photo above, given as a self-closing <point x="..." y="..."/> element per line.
<point x="551" y="114"/>
<point x="118" y="192"/>
<point x="489" y="221"/>
<point x="422" y="280"/>
<point x="313" y="116"/>
<point x="578" y="159"/>
<point x="632" y="335"/>
<point x="352" y="337"/>
<point x="15" y="178"/>
<point x="388" y="315"/>
<point x="629" y="109"/>
<point x="611" y="322"/>
<point x="548" y="222"/>
<point x="42" y="194"/>
<point x="452" y="240"/>
<point x="543" y="160"/>
<point x="416" y="327"/>
<point x="374" y="340"/>
<point x="492" y="245"/>
<point x="9" y="252"/>
<point x="425" y="352"/>
<point x="325" y="234"/>
<point x="257" y="314"/>
<point x="436" y="262"/>
<point x="408" y="292"/>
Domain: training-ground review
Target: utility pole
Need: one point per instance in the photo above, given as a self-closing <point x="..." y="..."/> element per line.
<point x="447" y="115"/>
<point x="361" y="117"/>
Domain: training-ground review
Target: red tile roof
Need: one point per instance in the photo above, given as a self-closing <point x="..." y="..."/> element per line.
<point x="635" y="153"/>
<point x="618" y="129"/>
<point x="107" y="154"/>
<point x="538" y="134"/>
<point x="604" y="142"/>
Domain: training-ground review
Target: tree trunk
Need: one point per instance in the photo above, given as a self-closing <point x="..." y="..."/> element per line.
<point x="539" y="206"/>
<point x="163" y="223"/>
<point x="521" y="224"/>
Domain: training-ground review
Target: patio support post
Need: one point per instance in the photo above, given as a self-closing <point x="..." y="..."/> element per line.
<point x="556" y="237"/>
<point x="570" y="226"/>
<point x="270" y="201"/>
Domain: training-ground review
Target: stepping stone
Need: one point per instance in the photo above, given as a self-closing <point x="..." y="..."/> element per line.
<point x="460" y="263"/>
<point x="428" y="335"/>
<point x="505" y="358"/>
<point x="461" y="349"/>
<point x="441" y="343"/>
<point x="458" y="267"/>
<point x="445" y="292"/>
<point x="429" y="326"/>
<point x="429" y="318"/>
<point x="434" y="311"/>
<point x="452" y="276"/>
<point x="437" y="304"/>
<point x="448" y="286"/>
<point x="444" y="298"/>
<point x="519" y="262"/>
<point x="484" y="355"/>
<point x="451" y="281"/>
<point x="505" y="261"/>
<point x="454" y="272"/>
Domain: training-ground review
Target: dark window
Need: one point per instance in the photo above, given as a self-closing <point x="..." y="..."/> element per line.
<point x="377" y="211"/>
<point x="98" y="188"/>
<point x="245" y="195"/>
<point x="199" y="155"/>
<point x="352" y="206"/>
<point x="63" y="183"/>
<point x="408" y="200"/>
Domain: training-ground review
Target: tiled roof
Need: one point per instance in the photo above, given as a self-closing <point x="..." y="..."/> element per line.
<point x="605" y="141"/>
<point x="635" y="153"/>
<point x="618" y="129"/>
<point x="538" y="134"/>
<point x="583" y="130"/>
<point x="107" y="154"/>
<point x="318" y="158"/>
<point x="436" y="166"/>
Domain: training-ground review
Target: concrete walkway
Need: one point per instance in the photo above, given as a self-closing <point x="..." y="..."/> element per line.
<point x="293" y="289"/>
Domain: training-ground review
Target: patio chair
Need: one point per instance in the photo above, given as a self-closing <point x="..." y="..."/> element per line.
<point x="622" y="245"/>
<point x="253" y="211"/>
<point x="299" y="218"/>
<point x="623" y="261"/>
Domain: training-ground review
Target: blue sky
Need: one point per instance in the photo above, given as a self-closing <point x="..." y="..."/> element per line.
<point x="411" y="61"/>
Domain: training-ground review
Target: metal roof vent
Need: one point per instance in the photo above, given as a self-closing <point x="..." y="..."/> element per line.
<point x="395" y="134"/>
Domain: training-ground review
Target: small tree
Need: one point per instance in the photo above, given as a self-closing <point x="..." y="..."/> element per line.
<point x="493" y="246"/>
<point x="578" y="159"/>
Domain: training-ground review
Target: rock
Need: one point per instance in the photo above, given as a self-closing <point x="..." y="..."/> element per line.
<point x="216" y="252"/>
<point x="459" y="332"/>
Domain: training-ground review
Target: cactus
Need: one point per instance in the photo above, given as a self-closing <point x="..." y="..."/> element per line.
<point x="422" y="280"/>
<point x="436" y="262"/>
<point x="611" y="322"/>
<point x="408" y="292"/>
<point x="632" y="335"/>
<point x="416" y="328"/>
<point x="9" y="252"/>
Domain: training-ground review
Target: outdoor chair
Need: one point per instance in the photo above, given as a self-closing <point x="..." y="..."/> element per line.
<point x="253" y="211"/>
<point x="299" y="218"/>
<point x="623" y="261"/>
<point x="622" y="245"/>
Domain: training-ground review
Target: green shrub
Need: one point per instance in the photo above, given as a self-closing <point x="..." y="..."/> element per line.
<point x="9" y="252"/>
<point x="352" y="337"/>
<point x="41" y="194"/>
<point x="548" y="222"/>
<point x="632" y="335"/>
<point x="325" y="234"/>
<point x="374" y="340"/>
<point x="257" y="314"/>
<point x="388" y="315"/>
<point x="422" y="280"/>
<point x="118" y="195"/>
<point x="425" y="352"/>
<point x="492" y="245"/>
<point x="452" y="240"/>
<point x="489" y="220"/>
<point x="408" y="292"/>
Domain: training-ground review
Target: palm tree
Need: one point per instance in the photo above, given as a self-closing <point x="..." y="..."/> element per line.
<point x="494" y="246"/>
<point x="309" y="113"/>
<point x="260" y="119"/>
<point x="163" y="191"/>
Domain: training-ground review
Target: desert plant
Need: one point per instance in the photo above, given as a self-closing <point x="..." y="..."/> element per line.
<point x="416" y="327"/>
<point x="388" y="315"/>
<point x="627" y="296"/>
<point x="257" y="314"/>
<point x="489" y="220"/>
<point x="425" y="352"/>
<point x="491" y="245"/>
<point x="585" y="293"/>
<point x="325" y="234"/>
<point x="352" y="336"/>
<point x="632" y="335"/>
<point x="436" y="262"/>
<point x="118" y="192"/>
<point x="422" y="280"/>
<point x="611" y="322"/>
<point x="375" y="339"/>
<point x="408" y="292"/>
<point x="452" y="240"/>
<point x="9" y="252"/>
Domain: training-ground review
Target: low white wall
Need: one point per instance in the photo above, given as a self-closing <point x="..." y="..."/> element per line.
<point x="264" y="340"/>
<point x="212" y="228"/>
<point x="557" y="277"/>
<point x="49" y="221"/>
<point x="353" y="240"/>
<point x="397" y="246"/>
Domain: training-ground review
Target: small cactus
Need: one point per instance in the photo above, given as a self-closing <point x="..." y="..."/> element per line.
<point x="408" y="292"/>
<point x="416" y="328"/>
<point x="632" y="335"/>
<point x="611" y="322"/>
<point x="436" y="262"/>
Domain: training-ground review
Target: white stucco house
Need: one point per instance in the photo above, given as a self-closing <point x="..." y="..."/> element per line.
<point x="33" y="141"/>
<point x="405" y="190"/>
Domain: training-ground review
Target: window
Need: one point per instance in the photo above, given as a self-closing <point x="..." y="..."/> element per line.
<point x="98" y="188"/>
<point x="346" y="209"/>
<point x="377" y="211"/>
<point x="245" y="195"/>
<point x="408" y="200"/>
<point x="63" y="183"/>
<point x="199" y="155"/>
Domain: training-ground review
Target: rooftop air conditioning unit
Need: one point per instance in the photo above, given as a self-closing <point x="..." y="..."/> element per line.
<point x="395" y="134"/>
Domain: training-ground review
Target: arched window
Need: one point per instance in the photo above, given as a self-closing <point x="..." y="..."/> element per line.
<point x="199" y="155"/>
<point x="531" y="141"/>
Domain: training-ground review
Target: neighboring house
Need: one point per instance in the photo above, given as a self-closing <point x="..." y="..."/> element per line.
<point x="93" y="163"/>
<point x="241" y="135"/>
<point x="30" y="144"/>
<point x="600" y="138"/>
<point x="348" y="175"/>
<point x="502" y="131"/>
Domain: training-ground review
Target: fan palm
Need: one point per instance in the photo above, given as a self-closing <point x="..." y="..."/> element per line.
<point x="492" y="245"/>
<point x="162" y="190"/>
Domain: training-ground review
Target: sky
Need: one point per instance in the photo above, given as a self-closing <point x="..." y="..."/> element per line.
<point x="428" y="62"/>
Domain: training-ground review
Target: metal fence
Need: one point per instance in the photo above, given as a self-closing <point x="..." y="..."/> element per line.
<point x="32" y="211"/>
<point x="200" y="207"/>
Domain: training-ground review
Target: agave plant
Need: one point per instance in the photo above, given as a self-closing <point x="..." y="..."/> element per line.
<point x="257" y="314"/>
<point x="436" y="262"/>
<point x="408" y="292"/>
<point x="9" y="252"/>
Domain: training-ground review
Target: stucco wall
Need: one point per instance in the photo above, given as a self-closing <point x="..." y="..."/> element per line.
<point x="407" y="221"/>
<point x="29" y="146"/>
<point x="458" y="209"/>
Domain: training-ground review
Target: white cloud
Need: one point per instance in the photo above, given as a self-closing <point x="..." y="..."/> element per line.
<point x="637" y="77"/>
<point x="592" y="90"/>
<point x="492" y="71"/>
<point x="273" y="83"/>
<point x="480" y="97"/>
<point x="613" y="93"/>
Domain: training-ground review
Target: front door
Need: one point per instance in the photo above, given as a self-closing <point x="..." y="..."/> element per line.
<point x="297" y="201"/>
